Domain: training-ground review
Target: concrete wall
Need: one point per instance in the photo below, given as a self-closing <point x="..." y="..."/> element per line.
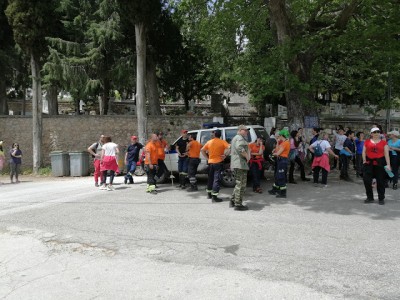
<point x="77" y="133"/>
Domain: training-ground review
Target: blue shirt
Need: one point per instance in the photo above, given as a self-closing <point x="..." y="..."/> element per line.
<point x="395" y="145"/>
<point x="359" y="146"/>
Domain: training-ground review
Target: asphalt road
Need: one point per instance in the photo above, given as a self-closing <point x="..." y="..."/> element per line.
<point x="62" y="238"/>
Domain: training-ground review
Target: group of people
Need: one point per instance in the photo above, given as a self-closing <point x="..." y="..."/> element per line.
<point x="376" y="159"/>
<point x="373" y="159"/>
<point x="14" y="162"/>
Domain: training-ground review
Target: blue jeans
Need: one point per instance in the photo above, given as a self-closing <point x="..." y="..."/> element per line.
<point x="183" y="163"/>
<point x="130" y="168"/>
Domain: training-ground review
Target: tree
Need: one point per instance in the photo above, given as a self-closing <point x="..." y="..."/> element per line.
<point x="32" y="21"/>
<point x="140" y="14"/>
<point x="6" y="55"/>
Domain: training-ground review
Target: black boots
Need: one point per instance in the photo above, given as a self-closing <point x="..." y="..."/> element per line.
<point x="193" y="188"/>
<point x="274" y="190"/>
<point x="281" y="193"/>
<point x="216" y="199"/>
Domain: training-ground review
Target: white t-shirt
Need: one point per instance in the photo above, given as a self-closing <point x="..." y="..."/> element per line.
<point x="339" y="140"/>
<point x="110" y="149"/>
<point x="325" y="145"/>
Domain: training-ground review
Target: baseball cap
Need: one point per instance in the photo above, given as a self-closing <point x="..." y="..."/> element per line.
<point x="133" y="137"/>
<point x="242" y="127"/>
<point x="184" y="131"/>
<point x="375" y="129"/>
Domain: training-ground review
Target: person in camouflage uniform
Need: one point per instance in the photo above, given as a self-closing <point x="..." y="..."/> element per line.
<point x="240" y="156"/>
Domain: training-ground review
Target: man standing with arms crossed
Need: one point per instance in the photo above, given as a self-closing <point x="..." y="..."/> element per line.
<point x="240" y="156"/>
<point x="193" y="150"/>
<point x="215" y="151"/>
<point x="183" y="158"/>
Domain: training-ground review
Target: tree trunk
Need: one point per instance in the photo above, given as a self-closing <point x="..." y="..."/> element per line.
<point x="36" y="114"/>
<point x="152" y="88"/>
<point x="24" y="102"/>
<point x="300" y="103"/>
<point x="52" y="100"/>
<point x="140" y="36"/>
<point x="105" y="98"/>
<point x="3" y="98"/>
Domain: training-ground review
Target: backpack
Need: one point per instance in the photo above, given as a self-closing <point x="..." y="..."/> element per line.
<point x="95" y="149"/>
<point x="318" y="150"/>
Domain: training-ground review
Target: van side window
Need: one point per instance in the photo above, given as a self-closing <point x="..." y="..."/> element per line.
<point x="205" y="136"/>
<point x="230" y="134"/>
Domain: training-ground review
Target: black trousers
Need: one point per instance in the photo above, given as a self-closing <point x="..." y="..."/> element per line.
<point x="291" y="169"/>
<point x="214" y="178"/>
<point x="378" y="172"/>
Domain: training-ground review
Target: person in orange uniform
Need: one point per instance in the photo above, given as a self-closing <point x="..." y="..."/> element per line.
<point x="151" y="163"/>
<point x="256" y="161"/>
<point x="215" y="151"/>
<point x="162" y="146"/>
<point x="193" y="149"/>
<point x="281" y="153"/>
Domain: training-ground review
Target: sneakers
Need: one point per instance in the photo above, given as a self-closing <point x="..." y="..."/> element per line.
<point x="103" y="187"/>
<point x="96" y="184"/>
<point x="305" y="179"/>
<point x="369" y="200"/>
<point x="292" y="182"/>
<point x="381" y="202"/>
<point x="395" y="186"/>
<point x="125" y="180"/>
<point x="241" y="207"/>
<point x="231" y="203"/>
<point x="110" y="188"/>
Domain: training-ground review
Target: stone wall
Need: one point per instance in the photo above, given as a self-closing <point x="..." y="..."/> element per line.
<point x="77" y="133"/>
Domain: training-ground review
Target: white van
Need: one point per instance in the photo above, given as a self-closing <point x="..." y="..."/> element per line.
<point x="203" y="136"/>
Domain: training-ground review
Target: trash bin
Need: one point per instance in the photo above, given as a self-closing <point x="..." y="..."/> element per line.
<point x="79" y="163"/>
<point x="59" y="163"/>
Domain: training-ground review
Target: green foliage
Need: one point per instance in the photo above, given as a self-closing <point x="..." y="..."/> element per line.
<point x="32" y="21"/>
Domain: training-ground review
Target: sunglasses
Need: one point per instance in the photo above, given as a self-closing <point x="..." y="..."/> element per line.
<point x="377" y="131"/>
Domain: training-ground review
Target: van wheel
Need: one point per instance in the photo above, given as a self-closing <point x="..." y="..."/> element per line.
<point x="139" y="171"/>
<point x="228" y="178"/>
<point x="162" y="179"/>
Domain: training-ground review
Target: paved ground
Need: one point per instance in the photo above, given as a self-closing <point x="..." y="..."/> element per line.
<point x="64" y="239"/>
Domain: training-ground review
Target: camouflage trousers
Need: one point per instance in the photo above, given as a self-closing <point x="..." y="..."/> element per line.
<point x="240" y="187"/>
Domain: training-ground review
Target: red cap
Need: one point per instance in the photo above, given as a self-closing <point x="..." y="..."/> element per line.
<point x="133" y="137"/>
<point x="184" y="131"/>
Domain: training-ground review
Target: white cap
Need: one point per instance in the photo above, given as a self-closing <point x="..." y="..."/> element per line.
<point x="375" y="129"/>
<point x="394" y="132"/>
